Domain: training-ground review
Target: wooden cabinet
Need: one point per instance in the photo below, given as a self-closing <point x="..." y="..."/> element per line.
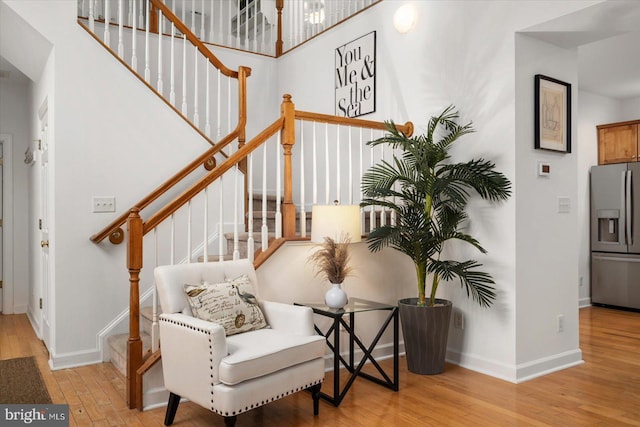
<point x="618" y="142"/>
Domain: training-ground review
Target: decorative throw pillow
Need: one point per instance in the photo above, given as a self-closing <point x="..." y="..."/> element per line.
<point x="232" y="304"/>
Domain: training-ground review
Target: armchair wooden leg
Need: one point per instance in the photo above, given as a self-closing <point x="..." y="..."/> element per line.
<point x="230" y="421"/>
<point x="315" y="394"/>
<point x="172" y="407"/>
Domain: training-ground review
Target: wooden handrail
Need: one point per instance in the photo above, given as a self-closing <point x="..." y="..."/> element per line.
<point x="214" y="174"/>
<point x="238" y="132"/>
<point x="407" y="128"/>
<point x="193" y="39"/>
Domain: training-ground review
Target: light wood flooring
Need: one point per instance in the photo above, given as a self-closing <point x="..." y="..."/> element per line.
<point x="604" y="391"/>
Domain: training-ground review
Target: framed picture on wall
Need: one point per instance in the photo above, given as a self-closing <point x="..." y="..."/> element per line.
<point x="552" y="114"/>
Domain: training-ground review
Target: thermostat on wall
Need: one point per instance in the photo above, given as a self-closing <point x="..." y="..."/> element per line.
<point x="544" y="169"/>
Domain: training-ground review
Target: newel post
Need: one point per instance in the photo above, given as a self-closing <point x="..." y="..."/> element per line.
<point x="288" y="139"/>
<point x="134" y="345"/>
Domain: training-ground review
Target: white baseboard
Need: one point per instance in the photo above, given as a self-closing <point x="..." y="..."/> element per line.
<point x="74" y="359"/>
<point x="155" y="398"/>
<point x="584" y="302"/>
<point x="34" y="323"/>
<point x="517" y="373"/>
<point x="546" y="365"/>
<point x="489" y="367"/>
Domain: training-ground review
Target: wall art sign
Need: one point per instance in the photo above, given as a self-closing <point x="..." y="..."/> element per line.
<point x="552" y="114"/>
<point x="355" y="77"/>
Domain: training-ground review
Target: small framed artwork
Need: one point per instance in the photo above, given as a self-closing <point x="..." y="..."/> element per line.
<point x="552" y="114"/>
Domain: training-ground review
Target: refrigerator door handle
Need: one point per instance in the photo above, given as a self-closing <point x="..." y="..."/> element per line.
<point x="623" y="210"/>
<point x="629" y="210"/>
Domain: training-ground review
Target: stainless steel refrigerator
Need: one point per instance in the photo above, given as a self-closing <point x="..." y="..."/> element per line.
<point x="615" y="235"/>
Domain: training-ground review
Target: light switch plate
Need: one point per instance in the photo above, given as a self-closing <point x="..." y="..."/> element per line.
<point x="564" y="204"/>
<point x="103" y="204"/>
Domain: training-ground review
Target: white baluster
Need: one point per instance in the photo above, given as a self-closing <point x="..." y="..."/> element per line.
<point x="211" y="38"/>
<point x="314" y="163"/>
<point x="189" y="245"/>
<point x="372" y="212"/>
<point x="327" y="172"/>
<point x="264" y="229"/>
<point x="184" y="75"/>
<point x="134" y="33"/>
<point x="250" y="240"/>
<point x="278" y="217"/>
<point x="173" y="240"/>
<point x="383" y="213"/>
<point x="131" y="12"/>
<point x="193" y="16"/>
<point x="207" y="103"/>
<point x="141" y="9"/>
<point x="236" y="250"/>
<point x="202" y="15"/>
<point x="221" y="239"/>
<point x="172" y="74"/>
<point x="228" y="105"/>
<point x="196" y="113"/>
<point x="160" y="85"/>
<point x="338" y="193"/>
<point x="361" y="146"/>
<point x="92" y="19"/>
<point x="155" y="329"/>
<point x="120" y="29"/>
<point x="219" y="108"/>
<point x="393" y="212"/>
<point x="205" y="250"/>
<point x="107" y="35"/>
<point x="350" y="168"/>
<point x="147" y="69"/>
<point x="303" y="213"/>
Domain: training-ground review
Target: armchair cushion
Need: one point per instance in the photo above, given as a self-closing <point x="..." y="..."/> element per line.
<point x="262" y="352"/>
<point x="232" y="304"/>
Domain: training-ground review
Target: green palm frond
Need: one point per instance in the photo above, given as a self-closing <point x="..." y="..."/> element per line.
<point x="429" y="196"/>
<point x="477" y="284"/>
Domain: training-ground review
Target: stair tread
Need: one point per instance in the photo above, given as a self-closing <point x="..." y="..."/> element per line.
<point x="118" y="343"/>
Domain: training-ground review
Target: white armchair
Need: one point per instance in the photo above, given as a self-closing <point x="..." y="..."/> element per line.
<point x="233" y="374"/>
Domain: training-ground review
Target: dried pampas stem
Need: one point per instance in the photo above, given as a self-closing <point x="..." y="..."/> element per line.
<point x="332" y="259"/>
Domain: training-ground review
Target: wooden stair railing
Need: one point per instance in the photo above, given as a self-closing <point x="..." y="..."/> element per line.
<point x="139" y="227"/>
<point x="114" y="230"/>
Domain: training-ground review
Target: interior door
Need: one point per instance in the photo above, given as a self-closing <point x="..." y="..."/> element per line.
<point x="44" y="302"/>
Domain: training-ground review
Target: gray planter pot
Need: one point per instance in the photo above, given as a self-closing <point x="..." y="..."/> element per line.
<point x="425" y="331"/>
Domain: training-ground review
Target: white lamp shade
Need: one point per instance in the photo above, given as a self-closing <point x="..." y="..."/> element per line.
<point x="336" y="222"/>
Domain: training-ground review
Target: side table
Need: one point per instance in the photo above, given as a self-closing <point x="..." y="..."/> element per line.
<point x="354" y="306"/>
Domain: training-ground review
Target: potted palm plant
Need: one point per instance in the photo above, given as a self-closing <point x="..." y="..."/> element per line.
<point x="429" y="196"/>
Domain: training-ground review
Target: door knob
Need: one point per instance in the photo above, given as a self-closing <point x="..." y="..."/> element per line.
<point x="44" y="243"/>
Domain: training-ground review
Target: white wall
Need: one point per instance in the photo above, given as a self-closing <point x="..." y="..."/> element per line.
<point x="13" y="121"/>
<point x="630" y="109"/>
<point x="593" y="110"/>
<point x="463" y="53"/>
<point x="546" y="240"/>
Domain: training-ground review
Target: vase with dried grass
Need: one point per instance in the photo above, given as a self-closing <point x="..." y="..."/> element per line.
<point x="332" y="262"/>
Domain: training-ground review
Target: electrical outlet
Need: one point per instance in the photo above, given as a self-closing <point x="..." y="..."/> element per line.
<point x="458" y="320"/>
<point x="581" y="283"/>
<point x="103" y="204"/>
<point x="560" y="323"/>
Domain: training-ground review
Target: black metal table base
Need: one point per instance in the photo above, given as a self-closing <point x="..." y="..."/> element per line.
<point x="356" y="371"/>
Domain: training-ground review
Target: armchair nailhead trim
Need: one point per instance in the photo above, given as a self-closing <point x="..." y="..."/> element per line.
<point x="255" y="405"/>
